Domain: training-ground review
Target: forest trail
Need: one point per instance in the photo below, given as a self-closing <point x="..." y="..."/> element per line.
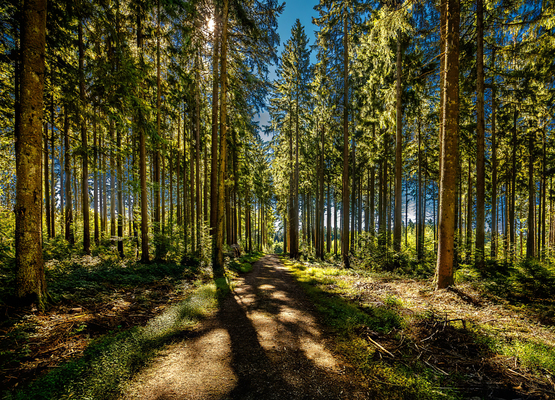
<point x="263" y="343"/>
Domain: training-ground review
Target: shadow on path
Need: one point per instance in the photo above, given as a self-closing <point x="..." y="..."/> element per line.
<point x="263" y="343"/>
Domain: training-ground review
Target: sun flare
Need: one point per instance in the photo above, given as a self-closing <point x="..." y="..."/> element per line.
<point x="211" y="24"/>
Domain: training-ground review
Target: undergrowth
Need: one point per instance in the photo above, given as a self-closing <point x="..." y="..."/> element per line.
<point x="347" y="320"/>
<point x="110" y="361"/>
<point x="351" y="306"/>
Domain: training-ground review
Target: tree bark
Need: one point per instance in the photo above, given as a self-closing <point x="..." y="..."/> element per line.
<point x="197" y="151"/>
<point x="449" y="155"/>
<point x="494" y="227"/>
<point x="214" y="149"/>
<point x="345" y="210"/>
<point x="218" y="264"/>
<point x="84" y="145"/>
<point x="95" y="181"/>
<point x="531" y="236"/>
<point x="142" y="161"/>
<point x="511" y="221"/>
<point x="469" y="216"/>
<point x="397" y="231"/>
<point x="46" y="181"/>
<point x="30" y="281"/>
<point x="480" y="151"/>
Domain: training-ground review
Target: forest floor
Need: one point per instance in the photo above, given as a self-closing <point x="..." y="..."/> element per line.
<point x="263" y="343"/>
<point x="296" y="330"/>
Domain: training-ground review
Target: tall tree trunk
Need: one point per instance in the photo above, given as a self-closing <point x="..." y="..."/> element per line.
<point x="335" y="222"/>
<point x="449" y="155"/>
<point x="218" y="264"/>
<point x="328" y="223"/>
<point x="345" y="210"/>
<point x="104" y="196"/>
<point x="52" y="177"/>
<point x="419" y="216"/>
<point x="542" y="221"/>
<point x="30" y="282"/>
<point x="513" y="187"/>
<point x="142" y="159"/>
<point x="84" y="145"/>
<point x="397" y="231"/>
<point x="469" y="212"/>
<point x="46" y="181"/>
<point x="235" y="186"/>
<point x="156" y="206"/>
<point x="214" y="148"/>
<point x="95" y="181"/>
<point x="480" y="150"/>
<point x="530" y="239"/>
<point x="353" y="194"/>
<point x="494" y="227"/>
<point x="178" y="171"/>
<point x="121" y="211"/>
<point x="206" y="216"/>
<point x="197" y="151"/>
<point x="113" y="187"/>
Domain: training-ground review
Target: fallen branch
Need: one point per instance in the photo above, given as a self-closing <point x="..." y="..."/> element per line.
<point x="379" y="346"/>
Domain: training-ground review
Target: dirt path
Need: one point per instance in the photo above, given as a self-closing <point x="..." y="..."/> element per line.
<point x="264" y="343"/>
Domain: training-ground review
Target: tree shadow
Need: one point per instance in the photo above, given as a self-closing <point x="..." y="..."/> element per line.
<point x="268" y="354"/>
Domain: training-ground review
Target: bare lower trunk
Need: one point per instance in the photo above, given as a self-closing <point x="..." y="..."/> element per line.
<point x="345" y="211"/>
<point x="30" y="282"/>
<point x="449" y="154"/>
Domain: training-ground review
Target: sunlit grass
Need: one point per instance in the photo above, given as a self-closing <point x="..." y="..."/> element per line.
<point x="346" y="319"/>
<point x="110" y="362"/>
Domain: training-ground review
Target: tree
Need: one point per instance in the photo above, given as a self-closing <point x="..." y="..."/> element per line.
<point x="449" y="153"/>
<point x="31" y="285"/>
<point x="480" y="151"/>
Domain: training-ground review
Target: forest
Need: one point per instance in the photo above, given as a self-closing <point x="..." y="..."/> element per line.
<point x="375" y="196"/>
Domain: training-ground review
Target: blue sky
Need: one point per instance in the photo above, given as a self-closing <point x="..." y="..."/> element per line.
<point x="304" y="11"/>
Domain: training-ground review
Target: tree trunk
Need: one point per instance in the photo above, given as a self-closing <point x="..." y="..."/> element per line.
<point x="530" y="239"/>
<point x="121" y="211"/>
<point x="335" y="222"/>
<point x="345" y="210"/>
<point x="156" y="156"/>
<point x="30" y="282"/>
<point x="214" y="149"/>
<point x="398" y="155"/>
<point x="469" y="216"/>
<point x="353" y="195"/>
<point x="321" y="219"/>
<point x="84" y="146"/>
<point x="95" y="181"/>
<point x="419" y="216"/>
<point x="449" y="155"/>
<point x="494" y="228"/>
<point x="178" y="171"/>
<point x="46" y="181"/>
<point x="328" y="223"/>
<point x="142" y="160"/>
<point x="113" y="188"/>
<point x="480" y="152"/>
<point x="513" y="187"/>
<point x="218" y="264"/>
<point x="197" y="151"/>
<point x="52" y="177"/>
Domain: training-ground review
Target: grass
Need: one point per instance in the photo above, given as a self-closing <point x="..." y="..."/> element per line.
<point x="244" y="263"/>
<point x="348" y="320"/>
<point x="113" y="359"/>
<point x="432" y="341"/>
